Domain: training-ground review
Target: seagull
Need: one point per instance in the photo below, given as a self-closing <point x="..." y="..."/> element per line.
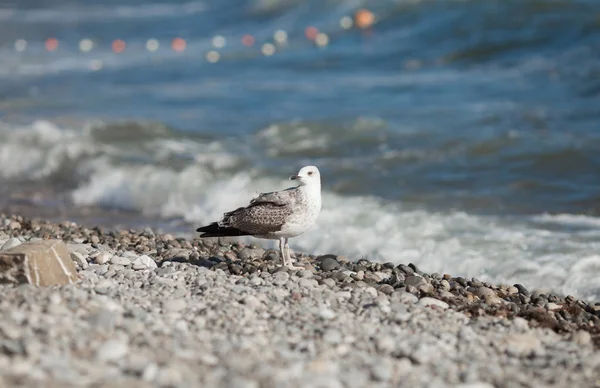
<point x="278" y="215"/>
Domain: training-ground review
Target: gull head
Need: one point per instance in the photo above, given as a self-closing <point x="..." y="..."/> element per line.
<point x="307" y="175"/>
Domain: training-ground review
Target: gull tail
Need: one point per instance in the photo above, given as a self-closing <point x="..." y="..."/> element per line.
<point x="214" y="230"/>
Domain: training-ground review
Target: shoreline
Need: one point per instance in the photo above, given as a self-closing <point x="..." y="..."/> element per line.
<point x="336" y="308"/>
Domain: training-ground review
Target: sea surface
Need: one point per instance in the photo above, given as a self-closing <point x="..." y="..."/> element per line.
<point x="462" y="136"/>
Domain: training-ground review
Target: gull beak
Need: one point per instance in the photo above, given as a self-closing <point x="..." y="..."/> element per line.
<point x="294" y="177"/>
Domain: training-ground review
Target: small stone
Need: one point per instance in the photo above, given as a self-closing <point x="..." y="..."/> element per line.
<point x="484" y="292"/>
<point x="493" y="299"/>
<point x="103" y="286"/>
<point x="327" y="314"/>
<point x="104" y="319"/>
<point x="332" y="336"/>
<point x="112" y="350"/>
<point x="79" y="259"/>
<point x="512" y="290"/>
<point x="102" y="258"/>
<point x="382" y="370"/>
<point x="426" y="288"/>
<point x="582" y="338"/>
<point x="14" y="225"/>
<point x="414" y="280"/>
<point x="404" y="297"/>
<point x="174" y="306"/>
<point x="371" y="291"/>
<point x="553" y="306"/>
<point x="522" y="344"/>
<point x="144" y="262"/>
<point x="329" y="282"/>
<point x="308" y="283"/>
<point x="305" y="274"/>
<point x="522" y="290"/>
<point x="433" y="302"/>
<point x="386" y="289"/>
<point x="406" y="269"/>
<point x="329" y="263"/>
<point x="280" y="278"/>
<point x="252" y="302"/>
<point x="120" y="260"/>
<point x="445" y="285"/>
<point x="11" y="243"/>
<point x="95" y="239"/>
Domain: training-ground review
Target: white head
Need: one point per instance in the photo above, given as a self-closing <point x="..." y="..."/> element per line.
<point x="308" y="175"/>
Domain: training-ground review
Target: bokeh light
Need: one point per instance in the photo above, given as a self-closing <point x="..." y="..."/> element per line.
<point x="311" y="32"/>
<point x="178" y="44"/>
<point x="118" y="46"/>
<point x="51" y="44"/>
<point x="247" y="40"/>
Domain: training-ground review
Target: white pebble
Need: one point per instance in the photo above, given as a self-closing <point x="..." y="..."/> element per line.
<point x="112" y="350"/>
<point x="433" y="302"/>
<point x="144" y="262"/>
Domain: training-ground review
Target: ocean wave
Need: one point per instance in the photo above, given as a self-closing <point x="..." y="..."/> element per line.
<point x="147" y="168"/>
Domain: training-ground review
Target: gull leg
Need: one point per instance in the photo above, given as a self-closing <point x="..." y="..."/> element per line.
<point x="282" y="250"/>
<point x="289" y="258"/>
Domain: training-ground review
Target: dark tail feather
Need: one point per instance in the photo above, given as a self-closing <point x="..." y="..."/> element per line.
<point x="214" y="230"/>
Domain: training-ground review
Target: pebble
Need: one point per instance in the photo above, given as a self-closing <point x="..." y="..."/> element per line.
<point x="144" y="262"/>
<point x="11" y="243"/>
<point x="329" y="264"/>
<point x="79" y="259"/>
<point x="414" y="280"/>
<point x="433" y="302"/>
<point x="174" y="306"/>
<point x="102" y="258"/>
<point x="124" y="261"/>
<point x="280" y="278"/>
<point x="112" y="350"/>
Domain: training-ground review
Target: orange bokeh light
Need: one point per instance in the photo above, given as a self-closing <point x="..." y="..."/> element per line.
<point x="311" y="32"/>
<point x="247" y="40"/>
<point x="363" y="18"/>
<point x="118" y="46"/>
<point x="178" y="44"/>
<point x="51" y="44"/>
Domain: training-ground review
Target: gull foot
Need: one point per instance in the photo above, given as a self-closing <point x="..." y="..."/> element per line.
<point x="294" y="268"/>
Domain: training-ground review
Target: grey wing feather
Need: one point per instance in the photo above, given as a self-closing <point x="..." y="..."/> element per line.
<point x="277" y="198"/>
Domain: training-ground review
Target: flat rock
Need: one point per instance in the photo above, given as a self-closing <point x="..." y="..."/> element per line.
<point x="43" y="263"/>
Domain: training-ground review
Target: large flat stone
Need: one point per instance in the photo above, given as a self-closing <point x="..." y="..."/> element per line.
<point x="42" y="263"/>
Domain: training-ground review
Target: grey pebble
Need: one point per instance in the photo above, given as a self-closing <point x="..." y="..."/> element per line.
<point x="307" y="283"/>
<point x="79" y="259"/>
<point x="280" y="278"/>
<point x="414" y="280"/>
<point x="329" y="263"/>
<point x="124" y="261"/>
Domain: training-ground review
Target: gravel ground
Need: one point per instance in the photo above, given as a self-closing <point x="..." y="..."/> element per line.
<point x="154" y="310"/>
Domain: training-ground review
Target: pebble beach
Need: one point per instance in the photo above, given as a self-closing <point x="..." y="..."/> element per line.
<point x="155" y="310"/>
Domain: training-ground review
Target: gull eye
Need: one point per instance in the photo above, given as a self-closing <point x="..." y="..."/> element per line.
<point x="310" y="173"/>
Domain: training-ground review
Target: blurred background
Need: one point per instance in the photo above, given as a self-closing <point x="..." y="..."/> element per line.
<point x="462" y="136"/>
